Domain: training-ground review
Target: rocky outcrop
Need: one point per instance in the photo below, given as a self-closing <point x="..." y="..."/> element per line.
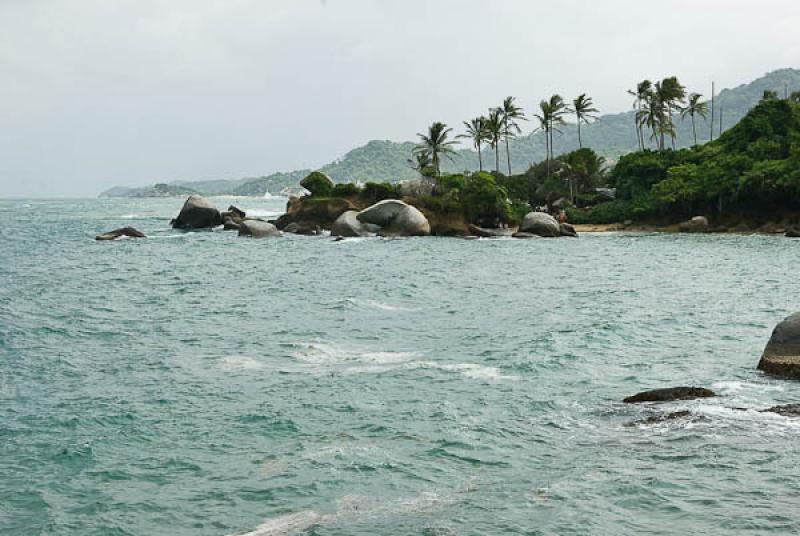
<point x="540" y="223"/>
<point x="310" y="211"/>
<point x="258" y="229"/>
<point x="395" y="218"/>
<point x="787" y="410"/>
<point x="197" y="213"/>
<point x="117" y="233"/>
<point x="669" y="394"/>
<point x="698" y="224"/>
<point x="485" y="232"/>
<point x="232" y="218"/>
<point x="417" y="187"/>
<point x="781" y="356"/>
<point x="348" y="226"/>
<point x="658" y="419"/>
<point x="303" y="228"/>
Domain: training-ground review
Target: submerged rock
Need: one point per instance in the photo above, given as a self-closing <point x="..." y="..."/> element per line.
<point x="116" y="233"/>
<point x="567" y="230"/>
<point x="197" y="213"/>
<point x="258" y="229"/>
<point x="658" y="419"/>
<point x="486" y="232"/>
<point x="347" y="225"/>
<point x="525" y="235"/>
<point x="669" y="394"/>
<point x="781" y="356"/>
<point x="787" y="410"/>
<point x="303" y="228"/>
<point x="540" y="223"/>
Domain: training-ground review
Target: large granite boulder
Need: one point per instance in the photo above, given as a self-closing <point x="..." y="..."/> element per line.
<point x="396" y="218"/>
<point x="197" y="213"/>
<point x="781" y="356"/>
<point x="117" y="233"/>
<point x="698" y="224"/>
<point x="669" y="394"/>
<point x="540" y="223"/>
<point x="258" y="229"/>
<point x="347" y="225"/>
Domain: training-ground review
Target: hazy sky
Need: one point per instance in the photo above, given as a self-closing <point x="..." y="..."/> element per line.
<point x="95" y="93"/>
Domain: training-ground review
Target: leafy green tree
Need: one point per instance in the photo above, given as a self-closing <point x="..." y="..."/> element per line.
<point x="695" y="107"/>
<point x="583" y="107"/>
<point x="436" y="144"/>
<point x="477" y="134"/>
<point x="510" y="114"/>
<point x="421" y="162"/>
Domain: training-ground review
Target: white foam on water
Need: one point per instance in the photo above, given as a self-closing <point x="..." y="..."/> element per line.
<point x="331" y="354"/>
<point x="240" y="362"/>
<point x="470" y="370"/>
<point x="375" y="304"/>
<point x="285" y="524"/>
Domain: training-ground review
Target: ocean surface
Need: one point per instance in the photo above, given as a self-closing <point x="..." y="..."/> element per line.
<point x="206" y="384"/>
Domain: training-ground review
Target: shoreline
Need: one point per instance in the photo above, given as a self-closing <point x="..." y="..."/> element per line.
<point x="674" y="228"/>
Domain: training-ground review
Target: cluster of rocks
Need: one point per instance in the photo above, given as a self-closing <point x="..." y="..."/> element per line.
<point x="390" y="217"/>
<point x="700" y="224"/>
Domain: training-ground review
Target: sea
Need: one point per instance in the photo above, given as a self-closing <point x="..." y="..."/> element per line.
<point x="199" y="383"/>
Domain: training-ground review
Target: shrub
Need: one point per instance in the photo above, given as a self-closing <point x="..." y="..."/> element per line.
<point x="610" y="212"/>
<point x="378" y="191"/>
<point x="319" y="184"/>
<point x="345" y="189"/>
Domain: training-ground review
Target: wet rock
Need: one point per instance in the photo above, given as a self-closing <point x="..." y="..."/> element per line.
<point x="781" y="356"/>
<point x="698" y="224"/>
<point x="669" y="394"/>
<point x="567" y="230"/>
<point x="490" y="232"/>
<point x="540" y="223"/>
<point x="382" y="213"/>
<point x="116" y="233"/>
<point x="741" y="228"/>
<point x="396" y="218"/>
<point x="787" y="410"/>
<point x="231" y="225"/>
<point x="303" y="228"/>
<point x="522" y="235"/>
<point x="258" y="229"/>
<point x="197" y="213"/>
<point x="237" y="212"/>
<point x="347" y="225"/>
<point x="793" y="231"/>
<point x="658" y="419"/>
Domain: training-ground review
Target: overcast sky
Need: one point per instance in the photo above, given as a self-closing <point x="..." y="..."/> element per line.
<point x="95" y="93"/>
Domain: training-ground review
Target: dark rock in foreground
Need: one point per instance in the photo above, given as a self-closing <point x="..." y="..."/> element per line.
<point x="787" y="410"/>
<point x="669" y="394"/>
<point x="781" y="356"/>
<point x="116" y="233"/>
<point x="258" y="229"/>
<point x="658" y="419"/>
<point x="197" y="213"/>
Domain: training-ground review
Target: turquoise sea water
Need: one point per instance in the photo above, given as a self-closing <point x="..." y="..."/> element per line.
<point x="205" y="384"/>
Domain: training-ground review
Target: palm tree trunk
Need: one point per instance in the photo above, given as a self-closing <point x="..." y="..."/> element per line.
<point x="671" y="129"/>
<point x="497" y="156"/>
<point x="694" y="131"/>
<point x="480" y="160"/>
<point x="508" y="156"/>
<point x="580" y="143"/>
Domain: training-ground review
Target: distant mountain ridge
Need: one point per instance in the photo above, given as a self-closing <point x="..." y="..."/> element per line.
<point x="387" y="161"/>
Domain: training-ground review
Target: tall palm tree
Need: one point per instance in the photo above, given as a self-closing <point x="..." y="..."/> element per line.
<point x="583" y="107"/>
<point x="544" y="118"/>
<point x="558" y="109"/>
<point x="641" y="93"/>
<point x="436" y="144"/>
<point x="695" y="107"/>
<point x="510" y="113"/>
<point x="672" y="95"/>
<point x="476" y="132"/>
<point x="421" y="162"/>
<point x="494" y="130"/>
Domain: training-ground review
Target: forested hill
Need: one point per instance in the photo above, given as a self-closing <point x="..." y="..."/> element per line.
<point x="612" y="136"/>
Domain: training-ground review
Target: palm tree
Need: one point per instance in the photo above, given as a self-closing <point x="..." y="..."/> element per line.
<point x="476" y="132"/>
<point x="510" y="113"/>
<point x="421" y="162"/>
<point x="435" y="144"/>
<point x="695" y="107"/>
<point x="545" y="123"/>
<point x="558" y="109"/>
<point x="583" y="107"/>
<point x="494" y="132"/>
<point x="641" y="93"/>
<point x="672" y="95"/>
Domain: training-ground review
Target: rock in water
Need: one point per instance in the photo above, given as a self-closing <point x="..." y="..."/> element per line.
<point x="258" y="229"/>
<point x="525" y="235"/>
<point x="669" y="394"/>
<point x="382" y="213"/>
<point x="567" y="230"/>
<point x="486" y="232"/>
<point x="396" y="218"/>
<point x="781" y="356"/>
<point x="698" y="224"/>
<point x="540" y="223"/>
<point x="116" y="233"/>
<point x="658" y="419"/>
<point x="793" y="231"/>
<point x="347" y="225"/>
<point x="197" y="213"/>
<point x="787" y="410"/>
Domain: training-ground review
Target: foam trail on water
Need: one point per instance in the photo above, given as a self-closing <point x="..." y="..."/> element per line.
<point x="285" y="524"/>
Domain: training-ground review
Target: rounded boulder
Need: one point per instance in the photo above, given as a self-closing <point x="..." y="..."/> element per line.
<point x="540" y="223"/>
<point x="258" y="229"/>
<point x="781" y="356"/>
<point x="197" y="213"/>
